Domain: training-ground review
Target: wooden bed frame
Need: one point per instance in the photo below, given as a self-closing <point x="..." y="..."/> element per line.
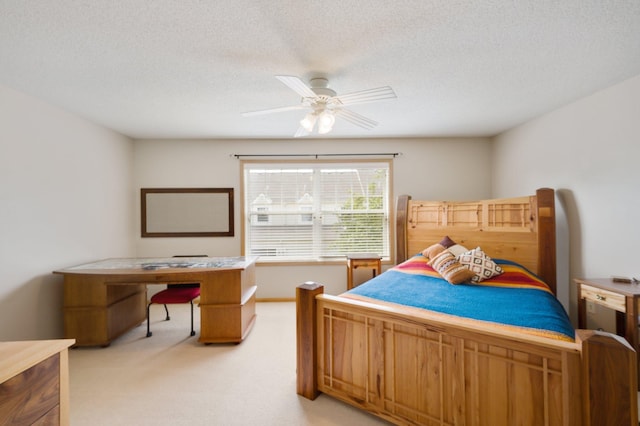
<point x="409" y="366"/>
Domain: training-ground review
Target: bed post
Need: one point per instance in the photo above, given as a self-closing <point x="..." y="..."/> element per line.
<point x="402" y="204"/>
<point x="609" y="379"/>
<point x="306" y="341"/>
<point x="546" y="237"/>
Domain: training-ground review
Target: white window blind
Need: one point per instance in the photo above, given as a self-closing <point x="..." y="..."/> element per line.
<point x="315" y="211"/>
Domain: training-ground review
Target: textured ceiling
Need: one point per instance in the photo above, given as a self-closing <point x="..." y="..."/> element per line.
<point x="188" y="68"/>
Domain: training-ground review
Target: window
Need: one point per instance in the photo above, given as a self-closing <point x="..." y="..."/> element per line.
<point x="302" y="211"/>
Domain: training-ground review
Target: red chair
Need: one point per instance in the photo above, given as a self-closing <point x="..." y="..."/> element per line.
<point x="175" y="294"/>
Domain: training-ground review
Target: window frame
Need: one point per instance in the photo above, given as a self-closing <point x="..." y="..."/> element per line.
<point x="317" y="163"/>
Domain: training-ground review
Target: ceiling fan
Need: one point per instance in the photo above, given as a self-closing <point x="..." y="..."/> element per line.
<point x="325" y="105"/>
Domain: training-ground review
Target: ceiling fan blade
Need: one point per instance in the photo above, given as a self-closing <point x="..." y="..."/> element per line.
<point x="300" y="132"/>
<point x="365" y="96"/>
<point x="297" y="85"/>
<point x="273" y="110"/>
<point x="355" y="118"/>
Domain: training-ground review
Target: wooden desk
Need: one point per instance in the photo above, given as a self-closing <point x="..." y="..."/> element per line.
<point x="362" y="260"/>
<point x="621" y="297"/>
<point x="105" y="299"/>
<point x="34" y="382"/>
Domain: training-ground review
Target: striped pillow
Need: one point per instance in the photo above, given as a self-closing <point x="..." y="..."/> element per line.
<point x="450" y="269"/>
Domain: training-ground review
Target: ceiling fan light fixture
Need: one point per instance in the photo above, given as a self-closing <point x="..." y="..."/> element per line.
<point x="325" y="122"/>
<point x="309" y="121"/>
<point x="325" y="105"/>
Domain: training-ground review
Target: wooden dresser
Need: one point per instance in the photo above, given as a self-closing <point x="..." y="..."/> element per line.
<point x="34" y="382"/>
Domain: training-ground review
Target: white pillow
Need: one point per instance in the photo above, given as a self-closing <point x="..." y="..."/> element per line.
<point x="457" y="249"/>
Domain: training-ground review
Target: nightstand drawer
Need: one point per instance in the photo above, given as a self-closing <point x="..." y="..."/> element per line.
<point x="362" y="263"/>
<point x="604" y="297"/>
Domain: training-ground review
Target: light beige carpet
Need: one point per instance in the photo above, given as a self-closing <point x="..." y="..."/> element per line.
<point x="171" y="379"/>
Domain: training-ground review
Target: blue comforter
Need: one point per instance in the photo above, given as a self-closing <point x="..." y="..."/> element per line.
<point x="517" y="298"/>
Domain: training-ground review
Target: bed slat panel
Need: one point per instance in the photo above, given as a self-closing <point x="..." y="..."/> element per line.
<point x="435" y="376"/>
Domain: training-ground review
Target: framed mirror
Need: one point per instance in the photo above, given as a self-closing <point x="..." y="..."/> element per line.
<point x="187" y="212"/>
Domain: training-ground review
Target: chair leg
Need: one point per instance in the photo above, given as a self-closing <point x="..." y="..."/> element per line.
<point x="149" y="334"/>
<point x="148" y="331"/>
<point x="193" y="333"/>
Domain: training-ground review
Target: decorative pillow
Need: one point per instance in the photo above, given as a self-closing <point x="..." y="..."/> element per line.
<point x="457" y="249"/>
<point x="450" y="269"/>
<point x="452" y="246"/>
<point x="447" y="242"/>
<point x="481" y="264"/>
<point x="432" y="251"/>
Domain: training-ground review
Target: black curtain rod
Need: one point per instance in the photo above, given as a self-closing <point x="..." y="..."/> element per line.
<point x="379" y="154"/>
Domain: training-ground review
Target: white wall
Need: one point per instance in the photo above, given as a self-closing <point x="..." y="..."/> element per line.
<point x="589" y="151"/>
<point x="65" y="198"/>
<point x="427" y="169"/>
<point x="69" y="193"/>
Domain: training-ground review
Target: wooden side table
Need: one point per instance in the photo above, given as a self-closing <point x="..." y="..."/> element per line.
<point x="362" y="260"/>
<point x="621" y="297"/>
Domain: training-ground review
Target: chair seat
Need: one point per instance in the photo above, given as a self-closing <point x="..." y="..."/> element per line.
<point x="176" y="295"/>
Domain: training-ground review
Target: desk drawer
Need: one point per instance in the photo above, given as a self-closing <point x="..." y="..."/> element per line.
<point x="603" y="297"/>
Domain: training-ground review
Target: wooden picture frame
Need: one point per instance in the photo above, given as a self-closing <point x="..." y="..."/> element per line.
<point x="186" y="212"/>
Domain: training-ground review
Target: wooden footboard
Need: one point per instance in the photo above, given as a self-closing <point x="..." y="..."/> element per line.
<point x="416" y="369"/>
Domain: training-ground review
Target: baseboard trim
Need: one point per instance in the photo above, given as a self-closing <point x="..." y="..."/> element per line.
<point x="275" y="299"/>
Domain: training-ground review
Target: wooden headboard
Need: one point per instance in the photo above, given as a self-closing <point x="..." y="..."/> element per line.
<point x="521" y="229"/>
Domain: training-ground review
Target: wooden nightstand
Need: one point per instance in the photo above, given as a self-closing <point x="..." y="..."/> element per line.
<point x="621" y="297"/>
<point x="362" y="260"/>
